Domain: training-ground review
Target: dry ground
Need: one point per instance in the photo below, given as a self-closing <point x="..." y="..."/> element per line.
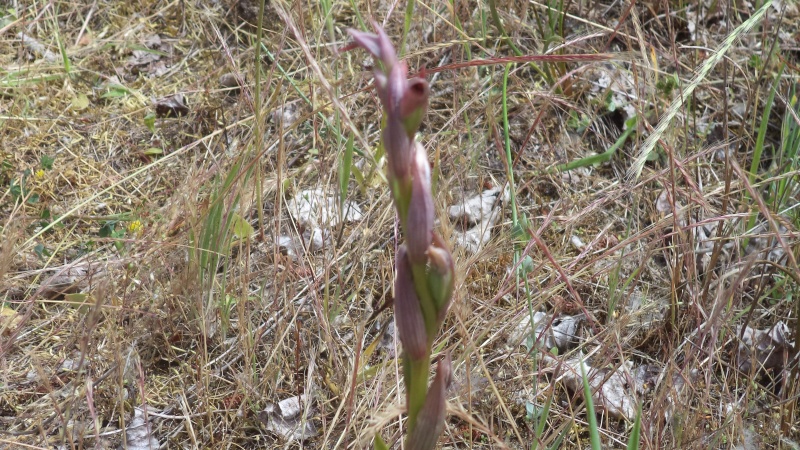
<point x="158" y="289"/>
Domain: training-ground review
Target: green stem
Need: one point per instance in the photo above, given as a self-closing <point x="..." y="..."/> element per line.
<point x="499" y="24"/>
<point x="600" y="158"/>
<point x="507" y="138"/>
<point x="416" y="388"/>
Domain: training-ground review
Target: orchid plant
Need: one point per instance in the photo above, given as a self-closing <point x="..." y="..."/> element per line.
<point x="425" y="271"/>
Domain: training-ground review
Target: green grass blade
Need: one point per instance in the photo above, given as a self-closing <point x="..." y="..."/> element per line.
<point x="790" y="143"/>
<point x="759" y="148"/>
<point x="633" y="441"/>
<point x="499" y="25"/>
<point x="327" y="11"/>
<point x="594" y="434"/>
<point x="406" y="25"/>
<point x="63" y="51"/>
<point x="557" y="443"/>
<point x="361" y="22"/>
<point x="762" y="129"/>
<point x="215" y="233"/>
<point x="379" y="444"/>
<point x="59" y="42"/>
<point x="541" y="421"/>
<point x="458" y="25"/>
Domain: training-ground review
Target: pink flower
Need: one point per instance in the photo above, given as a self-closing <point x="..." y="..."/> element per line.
<point x="419" y="225"/>
<point x="404" y="101"/>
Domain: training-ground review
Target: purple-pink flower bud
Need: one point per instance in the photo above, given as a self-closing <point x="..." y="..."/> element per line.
<point x="419" y="225"/>
<point x="407" y="310"/>
<point x="390" y="73"/>
<point x="396" y="88"/>
<point x="398" y="148"/>
<point x="414" y="104"/>
<point x="430" y="421"/>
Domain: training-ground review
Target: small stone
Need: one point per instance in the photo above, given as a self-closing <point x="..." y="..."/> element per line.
<point x="230" y="83"/>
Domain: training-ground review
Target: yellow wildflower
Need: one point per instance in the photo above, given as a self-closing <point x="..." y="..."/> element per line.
<point x="135" y="227"/>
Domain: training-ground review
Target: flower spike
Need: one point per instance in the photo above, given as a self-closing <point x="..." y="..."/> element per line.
<point x="425" y="270"/>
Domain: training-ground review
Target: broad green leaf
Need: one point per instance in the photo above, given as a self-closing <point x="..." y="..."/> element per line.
<point x="47" y="161"/>
<point x="242" y="228"/>
<point x="107" y="229"/>
<point x="150" y="121"/>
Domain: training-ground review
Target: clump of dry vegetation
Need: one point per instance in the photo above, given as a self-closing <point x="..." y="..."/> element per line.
<point x="198" y="239"/>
